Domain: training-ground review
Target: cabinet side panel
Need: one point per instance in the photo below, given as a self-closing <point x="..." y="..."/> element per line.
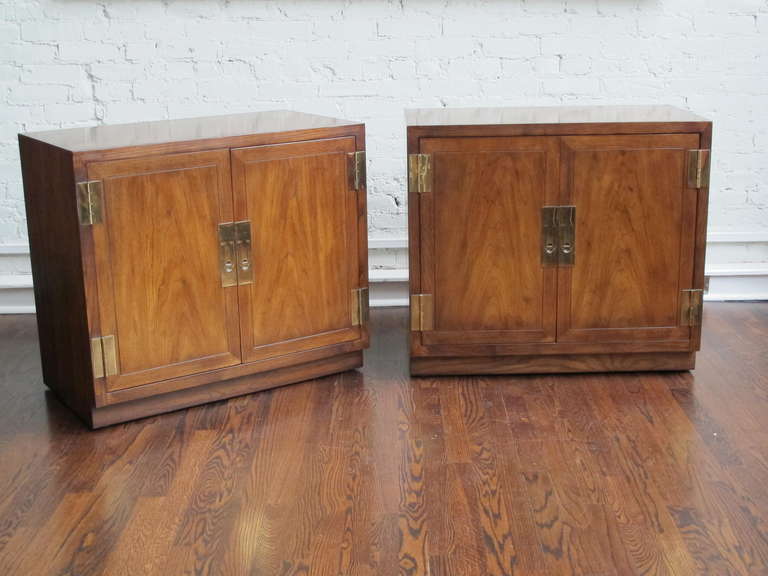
<point x="54" y="240"/>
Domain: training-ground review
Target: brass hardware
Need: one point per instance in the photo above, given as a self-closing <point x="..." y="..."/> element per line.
<point x="359" y="306"/>
<point x="109" y="344"/>
<point x="558" y="235"/>
<point x="97" y="358"/>
<point x="566" y="235"/>
<point x="698" y="168"/>
<point x="356" y="170"/>
<point x="89" y="202"/>
<point x="235" y="253"/>
<point x="422" y="312"/>
<point x="227" y="255"/>
<point x="419" y="173"/>
<point x="243" y="252"/>
<point x="104" y="356"/>
<point x="549" y="236"/>
<point x="691" y="306"/>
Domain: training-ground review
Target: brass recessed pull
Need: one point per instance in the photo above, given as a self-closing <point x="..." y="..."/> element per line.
<point x="558" y="225"/>
<point x="243" y="249"/>
<point x="548" y="236"/>
<point x="227" y="255"/>
<point x="566" y="233"/>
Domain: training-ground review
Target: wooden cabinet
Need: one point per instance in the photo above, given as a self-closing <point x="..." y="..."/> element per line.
<point x="186" y="261"/>
<point x="556" y="239"/>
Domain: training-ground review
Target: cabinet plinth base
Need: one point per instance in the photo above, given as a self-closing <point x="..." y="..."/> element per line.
<point x="153" y="405"/>
<point x="546" y="364"/>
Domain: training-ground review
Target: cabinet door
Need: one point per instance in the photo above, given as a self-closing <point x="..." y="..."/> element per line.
<point x="480" y="240"/>
<point x="635" y="227"/>
<point x="157" y="265"/>
<point x="304" y="246"/>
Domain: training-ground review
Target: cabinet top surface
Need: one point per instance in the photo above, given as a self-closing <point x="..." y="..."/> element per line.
<point x="184" y="130"/>
<point x="547" y="115"/>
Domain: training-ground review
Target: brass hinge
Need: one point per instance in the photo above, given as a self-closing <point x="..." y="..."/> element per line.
<point x="419" y="173"/>
<point x="104" y="356"/>
<point x="558" y="235"/>
<point x="698" y="168"/>
<point x="356" y="171"/>
<point x="89" y="202"/>
<point x="359" y="306"/>
<point x="235" y="253"/>
<point x="422" y="312"/>
<point x="691" y="306"/>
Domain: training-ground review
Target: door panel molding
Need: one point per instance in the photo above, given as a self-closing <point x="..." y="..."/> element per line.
<point x="304" y="220"/>
<point x="480" y="235"/>
<point x="156" y="263"/>
<point x="635" y="223"/>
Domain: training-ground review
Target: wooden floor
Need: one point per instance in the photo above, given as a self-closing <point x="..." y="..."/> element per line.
<point x="376" y="473"/>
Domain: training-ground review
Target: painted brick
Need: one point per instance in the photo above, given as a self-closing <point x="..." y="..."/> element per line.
<point x="84" y="62"/>
<point x="521" y="47"/>
<point x="82" y="52"/>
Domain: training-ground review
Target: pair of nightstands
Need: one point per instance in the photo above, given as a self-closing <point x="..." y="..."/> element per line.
<point x="185" y="261"/>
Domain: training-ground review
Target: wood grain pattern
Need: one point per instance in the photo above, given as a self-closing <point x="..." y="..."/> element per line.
<point x="304" y="226"/>
<point x="550" y="363"/>
<point x="640" y="237"/>
<point x="375" y="473"/>
<point x="484" y="220"/>
<point x="157" y="262"/>
<point x="635" y="233"/>
<point x="182" y="132"/>
<point x="149" y="274"/>
<point x="57" y="272"/>
<point x="564" y="116"/>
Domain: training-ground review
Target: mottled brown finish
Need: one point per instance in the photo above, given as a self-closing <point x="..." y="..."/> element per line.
<point x="575" y="117"/>
<point x="375" y="473"/>
<point x="57" y="272"/>
<point x="157" y="255"/>
<point x="635" y="233"/>
<point x="485" y="206"/>
<point x="304" y="232"/>
<point x="182" y="131"/>
<point x="148" y="272"/>
<point x="476" y="238"/>
<point x="552" y="363"/>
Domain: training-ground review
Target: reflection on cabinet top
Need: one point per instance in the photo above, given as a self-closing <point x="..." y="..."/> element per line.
<point x="557" y="115"/>
<point x="185" y="130"/>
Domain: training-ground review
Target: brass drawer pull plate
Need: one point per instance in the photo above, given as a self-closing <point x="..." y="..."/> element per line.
<point x="235" y="253"/>
<point x="558" y="235"/>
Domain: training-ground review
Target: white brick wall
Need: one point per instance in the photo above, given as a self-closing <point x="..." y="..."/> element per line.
<point x="80" y="62"/>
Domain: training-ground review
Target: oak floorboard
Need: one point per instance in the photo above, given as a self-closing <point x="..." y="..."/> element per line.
<point x="376" y="473"/>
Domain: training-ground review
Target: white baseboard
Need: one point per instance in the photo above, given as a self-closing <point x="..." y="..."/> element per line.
<point x="16" y="296"/>
<point x="736" y="265"/>
<point x="388" y="294"/>
<point x="388" y="288"/>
